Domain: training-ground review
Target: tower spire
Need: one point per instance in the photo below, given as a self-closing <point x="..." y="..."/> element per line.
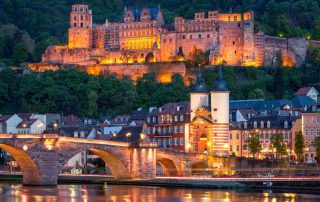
<point x="220" y="73"/>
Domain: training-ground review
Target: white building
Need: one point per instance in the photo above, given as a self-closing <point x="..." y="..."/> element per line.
<point x="31" y="126"/>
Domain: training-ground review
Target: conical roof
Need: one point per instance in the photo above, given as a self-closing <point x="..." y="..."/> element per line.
<point x="220" y="84"/>
<point x="200" y="86"/>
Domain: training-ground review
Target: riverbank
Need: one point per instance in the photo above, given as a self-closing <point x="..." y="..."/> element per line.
<point x="196" y="182"/>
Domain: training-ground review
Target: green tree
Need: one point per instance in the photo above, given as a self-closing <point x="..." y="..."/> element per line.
<point x="256" y="94"/>
<point x="93" y="106"/>
<point x="20" y="54"/>
<point x="299" y="145"/>
<point x="253" y="144"/>
<point x="278" y="144"/>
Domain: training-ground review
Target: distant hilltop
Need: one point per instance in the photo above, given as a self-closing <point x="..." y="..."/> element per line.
<point x="142" y="37"/>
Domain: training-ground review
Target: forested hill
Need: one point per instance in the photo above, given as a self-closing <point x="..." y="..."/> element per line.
<point x="27" y="27"/>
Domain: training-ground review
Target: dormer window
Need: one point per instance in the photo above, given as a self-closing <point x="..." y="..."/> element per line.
<point x="262" y="124"/>
<point x="268" y="124"/>
<point x="286" y="124"/>
<point x="255" y="124"/>
<point x="245" y="125"/>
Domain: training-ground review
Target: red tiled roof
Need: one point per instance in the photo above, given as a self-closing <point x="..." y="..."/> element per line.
<point x="70" y="120"/>
<point x="303" y="91"/>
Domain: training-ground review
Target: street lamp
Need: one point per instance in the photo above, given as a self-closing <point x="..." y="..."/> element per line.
<point x="206" y="163"/>
<point x="142" y="137"/>
<point x="128" y="135"/>
<point x="114" y="135"/>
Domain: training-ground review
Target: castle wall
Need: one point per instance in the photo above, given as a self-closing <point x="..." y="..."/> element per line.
<point x="80" y="38"/>
<point x="231" y="42"/>
<point x="163" y="71"/>
<point x="293" y="51"/>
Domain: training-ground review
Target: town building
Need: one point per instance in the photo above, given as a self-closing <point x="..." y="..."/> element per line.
<point x="199" y="126"/>
<point x="310" y="129"/>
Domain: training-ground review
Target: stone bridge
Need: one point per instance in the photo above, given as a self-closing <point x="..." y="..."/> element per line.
<point x="42" y="157"/>
<point x="176" y="163"/>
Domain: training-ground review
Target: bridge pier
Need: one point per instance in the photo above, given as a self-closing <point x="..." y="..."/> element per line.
<point x="48" y="169"/>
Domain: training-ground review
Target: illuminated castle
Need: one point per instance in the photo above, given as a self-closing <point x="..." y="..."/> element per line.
<point x="142" y="36"/>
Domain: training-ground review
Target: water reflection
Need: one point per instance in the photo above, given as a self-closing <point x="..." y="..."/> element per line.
<point x="96" y="193"/>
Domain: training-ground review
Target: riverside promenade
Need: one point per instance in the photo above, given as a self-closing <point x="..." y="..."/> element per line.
<point x="299" y="183"/>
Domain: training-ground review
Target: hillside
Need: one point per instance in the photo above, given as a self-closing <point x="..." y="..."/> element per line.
<point x="27" y="27"/>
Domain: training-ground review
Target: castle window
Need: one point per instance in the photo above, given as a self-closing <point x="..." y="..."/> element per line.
<point x="235" y="18"/>
<point x="190" y="36"/>
<point x="208" y="36"/>
<point x="228" y="18"/>
<point x="235" y="52"/>
<point x="183" y="37"/>
<point x="81" y="17"/>
<point x="199" y="36"/>
<point x="164" y="40"/>
<point x="239" y="25"/>
<point x="75" y="17"/>
<point x="233" y="42"/>
<point x="75" y="24"/>
<point x="215" y="109"/>
<point x="81" y="24"/>
<point x="170" y="40"/>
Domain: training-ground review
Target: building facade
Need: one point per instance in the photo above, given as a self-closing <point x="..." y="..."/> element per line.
<point x="200" y="126"/>
<point x="142" y="36"/>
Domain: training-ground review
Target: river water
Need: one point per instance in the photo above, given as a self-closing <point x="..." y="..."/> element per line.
<point x="97" y="193"/>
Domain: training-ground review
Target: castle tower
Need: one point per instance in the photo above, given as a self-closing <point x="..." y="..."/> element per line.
<point x="199" y="96"/>
<point x="249" y="58"/>
<point x="80" y="31"/>
<point x="220" y="117"/>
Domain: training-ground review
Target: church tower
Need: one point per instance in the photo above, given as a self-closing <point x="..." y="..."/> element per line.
<point x="220" y="117"/>
<point x="199" y="97"/>
<point x="80" y="31"/>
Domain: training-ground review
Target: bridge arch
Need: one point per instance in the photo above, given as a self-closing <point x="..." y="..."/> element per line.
<point x="114" y="162"/>
<point x="169" y="167"/>
<point x="30" y="171"/>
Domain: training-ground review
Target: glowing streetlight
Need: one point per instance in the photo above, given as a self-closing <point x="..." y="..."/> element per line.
<point x="142" y="137"/>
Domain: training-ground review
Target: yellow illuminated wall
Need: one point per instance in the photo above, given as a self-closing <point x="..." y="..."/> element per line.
<point x="138" y="43"/>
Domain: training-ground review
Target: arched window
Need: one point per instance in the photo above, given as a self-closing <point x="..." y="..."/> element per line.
<point x="286" y="124"/>
<point x="268" y="124"/>
<point x="255" y="125"/>
<point x="203" y="137"/>
<point x="262" y="124"/>
<point x="81" y="24"/>
<point x="75" y="24"/>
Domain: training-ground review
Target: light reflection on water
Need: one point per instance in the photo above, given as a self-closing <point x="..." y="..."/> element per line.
<point x="96" y="193"/>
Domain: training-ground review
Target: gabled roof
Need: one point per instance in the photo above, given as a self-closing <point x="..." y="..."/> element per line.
<point x="26" y="123"/>
<point x="70" y="120"/>
<point x="302" y="101"/>
<point x="276" y="121"/>
<point x="172" y="108"/>
<point x="304" y="91"/>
